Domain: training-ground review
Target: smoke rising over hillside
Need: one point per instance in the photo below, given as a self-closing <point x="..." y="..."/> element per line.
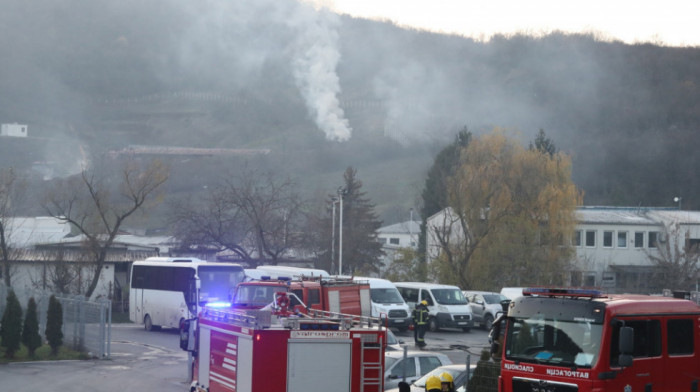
<point x="292" y="78"/>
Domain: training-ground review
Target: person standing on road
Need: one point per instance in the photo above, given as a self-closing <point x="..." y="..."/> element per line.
<point x="420" y="323"/>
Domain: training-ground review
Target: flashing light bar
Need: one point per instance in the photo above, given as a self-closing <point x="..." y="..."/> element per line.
<point x="218" y="304"/>
<point x="563" y="292"/>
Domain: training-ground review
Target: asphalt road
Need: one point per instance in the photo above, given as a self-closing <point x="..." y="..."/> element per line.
<point x="153" y="361"/>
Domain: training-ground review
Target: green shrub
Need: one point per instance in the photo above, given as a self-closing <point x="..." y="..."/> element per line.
<point x="30" y="333"/>
<point x="485" y="378"/>
<point x="54" y="324"/>
<point x="11" y="329"/>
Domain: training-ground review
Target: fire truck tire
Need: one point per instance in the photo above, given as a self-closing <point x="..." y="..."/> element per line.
<point x="433" y="325"/>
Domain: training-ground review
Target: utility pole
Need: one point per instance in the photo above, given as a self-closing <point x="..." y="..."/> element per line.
<point x="335" y="200"/>
<point x="341" y="192"/>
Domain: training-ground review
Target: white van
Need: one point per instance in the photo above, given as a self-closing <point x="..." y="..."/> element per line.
<point x="446" y="304"/>
<point x="386" y="300"/>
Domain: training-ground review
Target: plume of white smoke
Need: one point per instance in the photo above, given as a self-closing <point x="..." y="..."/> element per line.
<point x="315" y="58"/>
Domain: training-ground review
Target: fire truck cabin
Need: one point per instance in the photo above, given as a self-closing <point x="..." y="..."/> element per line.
<point x="568" y="340"/>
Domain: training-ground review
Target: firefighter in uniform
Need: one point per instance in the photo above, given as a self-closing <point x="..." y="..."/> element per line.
<point x="448" y="384"/>
<point x="433" y="384"/>
<point x="420" y="323"/>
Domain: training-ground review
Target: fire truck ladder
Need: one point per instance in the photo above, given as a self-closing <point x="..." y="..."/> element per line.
<point x="371" y="376"/>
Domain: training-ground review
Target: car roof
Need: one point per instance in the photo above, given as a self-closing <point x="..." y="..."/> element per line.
<point x="397" y="354"/>
<point x="480" y="292"/>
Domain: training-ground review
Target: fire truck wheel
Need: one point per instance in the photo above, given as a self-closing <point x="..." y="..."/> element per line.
<point x="433" y="325"/>
<point x="148" y="323"/>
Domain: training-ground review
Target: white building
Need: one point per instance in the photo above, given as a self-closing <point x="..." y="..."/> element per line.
<point x="613" y="244"/>
<point x="397" y="236"/>
<point x="15" y="130"/>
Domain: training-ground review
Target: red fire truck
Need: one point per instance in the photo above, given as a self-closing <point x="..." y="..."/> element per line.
<point x="566" y="340"/>
<point x="278" y="350"/>
<point x="333" y="294"/>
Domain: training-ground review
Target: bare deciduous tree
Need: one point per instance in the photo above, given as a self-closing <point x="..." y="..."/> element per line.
<point x="97" y="208"/>
<point x="256" y="216"/>
<point x="677" y="257"/>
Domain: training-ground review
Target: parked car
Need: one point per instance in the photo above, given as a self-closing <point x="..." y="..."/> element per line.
<point x="392" y="343"/>
<point x="458" y="372"/>
<point x="415" y="365"/>
<point x="486" y="306"/>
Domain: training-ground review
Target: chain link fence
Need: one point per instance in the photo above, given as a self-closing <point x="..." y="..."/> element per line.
<point x="87" y="325"/>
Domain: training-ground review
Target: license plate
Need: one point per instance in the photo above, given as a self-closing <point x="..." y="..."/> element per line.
<point x="398" y="321"/>
<point x="462" y="323"/>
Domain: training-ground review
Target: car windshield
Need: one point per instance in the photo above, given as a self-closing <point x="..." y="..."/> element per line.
<point x="494" y="298"/>
<point x="554" y="341"/>
<point x="391" y="338"/>
<point x="388" y="361"/>
<point x="449" y="296"/>
<point x="386" y="296"/>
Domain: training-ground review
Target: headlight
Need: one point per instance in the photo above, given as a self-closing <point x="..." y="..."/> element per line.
<point x="442" y="309"/>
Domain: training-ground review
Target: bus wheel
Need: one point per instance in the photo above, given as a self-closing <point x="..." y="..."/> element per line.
<point x="148" y="323"/>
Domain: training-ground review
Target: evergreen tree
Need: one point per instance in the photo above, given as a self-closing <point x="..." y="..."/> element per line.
<point x="11" y="330"/>
<point x="544" y="144"/>
<point x="361" y="249"/>
<point x="435" y="193"/>
<point x="54" y="325"/>
<point x="30" y="333"/>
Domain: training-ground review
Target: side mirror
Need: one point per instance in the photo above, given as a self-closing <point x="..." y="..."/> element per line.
<point x="191" y="297"/>
<point x="626" y="346"/>
<point x="187" y="338"/>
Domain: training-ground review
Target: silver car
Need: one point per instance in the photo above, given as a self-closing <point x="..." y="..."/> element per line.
<point x="459" y="375"/>
<point x="415" y="365"/>
<point x="485" y="305"/>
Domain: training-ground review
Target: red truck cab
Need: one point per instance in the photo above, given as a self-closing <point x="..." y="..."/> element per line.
<point x="568" y="340"/>
<point x="334" y="294"/>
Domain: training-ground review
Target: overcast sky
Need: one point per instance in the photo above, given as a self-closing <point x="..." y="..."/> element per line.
<point x="669" y="22"/>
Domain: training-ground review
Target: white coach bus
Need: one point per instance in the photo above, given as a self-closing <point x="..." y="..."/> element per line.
<point x="161" y="288"/>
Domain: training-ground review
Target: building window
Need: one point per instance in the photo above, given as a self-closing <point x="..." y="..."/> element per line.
<point x="394" y="241"/>
<point x="621" y="239"/>
<point x="653" y="239"/>
<point x="590" y="238"/>
<point x="638" y="239"/>
<point x="382" y="240"/>
<point x="577" y="238"/>
<point x="607" y="239"/>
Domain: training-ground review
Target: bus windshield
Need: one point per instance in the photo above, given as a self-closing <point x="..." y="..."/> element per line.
<point x="560" y="336"/>
<point x="217" y="281"/>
